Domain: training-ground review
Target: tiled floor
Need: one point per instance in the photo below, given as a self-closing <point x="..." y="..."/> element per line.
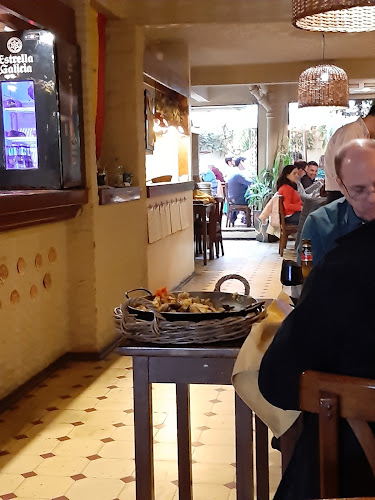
<point x="72" y="436"/>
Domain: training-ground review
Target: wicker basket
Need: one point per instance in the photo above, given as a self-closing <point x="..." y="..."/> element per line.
<point x="160" y="331"/>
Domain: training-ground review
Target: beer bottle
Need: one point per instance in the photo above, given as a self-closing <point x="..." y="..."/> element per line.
<point x="306" y="258"/>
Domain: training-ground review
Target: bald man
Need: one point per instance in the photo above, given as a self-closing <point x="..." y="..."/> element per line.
<point x="332" y="328"/>
<point x="355" y="175"/>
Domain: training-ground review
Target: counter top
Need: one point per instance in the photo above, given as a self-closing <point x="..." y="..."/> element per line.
<point x="168" y="188"/>
<point x="30" y="207"/>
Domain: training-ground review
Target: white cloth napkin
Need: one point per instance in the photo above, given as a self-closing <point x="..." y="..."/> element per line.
<point x="246" y="369"/>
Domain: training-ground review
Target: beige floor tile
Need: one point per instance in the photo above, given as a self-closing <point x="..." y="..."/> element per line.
<point x="63" y="416"/>
<point x="18" y="464"/>
<point x="104" y="417"/>
<point x="34" y="446"/>
<point x="116" y="404"/>
<point x="215" y="436"/>
<point x="95" y="489"/>
<point x="109" y="468"/>
<point x="220" y="454"/>
<point x="166" y="470"/>
<point x="52" y="430"/>
<point x="9" y="482"/>
<point x="275" y="476"/>
<point x="169" y="434"/>
<point x="213" y="473"/>
<point x="165" y="451"/>
<point x="44" y="487"/>
<point x="117" y="449"/>
<point x="210" y="492"/>
<point x="124" y="434"/>
<point x="92" y="431"/>
<point x="78" y="447"/>
<point x="163" y="491"/>
<point x="79" y="403"/>
<point x="216" y="421"/>
<point x="62" y="466"/>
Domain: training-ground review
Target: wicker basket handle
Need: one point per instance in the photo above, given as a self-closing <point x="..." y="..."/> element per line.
<point x="233" y="277"/>
<point x="136" y="290"/>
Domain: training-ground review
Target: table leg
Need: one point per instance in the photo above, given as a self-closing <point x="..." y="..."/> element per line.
<point x="262" y="466"/>
<point x="143" y="429"/>
<point x="184" y="442"/>
<point x="244" y="451"/>
<point x="204" y="238"/>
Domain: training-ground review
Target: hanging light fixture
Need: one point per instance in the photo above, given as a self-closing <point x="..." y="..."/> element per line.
<point x="344" y="16"/>
<point x="323" y="85"/>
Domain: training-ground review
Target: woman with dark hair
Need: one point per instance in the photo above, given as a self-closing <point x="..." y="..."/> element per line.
<point x="287" y="187"/>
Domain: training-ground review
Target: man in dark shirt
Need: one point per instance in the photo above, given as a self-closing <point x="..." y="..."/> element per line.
<point x="331" y="330"/>
<point x="311" y="173"/>
<point x="355" y="174"/>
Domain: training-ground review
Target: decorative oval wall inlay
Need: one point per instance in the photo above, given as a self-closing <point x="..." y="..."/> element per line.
<point x="33" y="292"/>
<point x="15" y="297"/>
<point x="21" y="266"/>
<point x="4" y="273"/>
<point x="47" y="281"/>
<point x="52" y="254"/>
<point x="38" y="260"/>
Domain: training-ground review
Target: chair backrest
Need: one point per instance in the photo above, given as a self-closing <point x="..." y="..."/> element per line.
<point x="333" y="396"/>
<point x="282" y="213"/>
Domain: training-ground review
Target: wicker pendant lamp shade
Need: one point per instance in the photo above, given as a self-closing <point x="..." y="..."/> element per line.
<point x="345" y="16"/>
<point x="323" y="85"/>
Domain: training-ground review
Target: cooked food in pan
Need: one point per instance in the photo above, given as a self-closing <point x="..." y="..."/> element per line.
<point x="181" y="302"/>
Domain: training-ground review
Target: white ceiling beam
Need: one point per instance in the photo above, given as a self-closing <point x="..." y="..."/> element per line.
<point x="274" y="73"/>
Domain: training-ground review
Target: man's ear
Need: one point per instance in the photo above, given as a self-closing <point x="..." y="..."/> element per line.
<point x="341" y="186"/>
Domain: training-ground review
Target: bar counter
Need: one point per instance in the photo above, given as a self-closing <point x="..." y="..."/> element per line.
<point x="168" y="188"/>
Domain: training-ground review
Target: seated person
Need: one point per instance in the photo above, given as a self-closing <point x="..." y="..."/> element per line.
<point x="209" y="176"/>
<point x="311" y="173"/>
<point x="238" y="182"/>
<point x="355" y="174"/>
<point x="218" y="174"/>
<point x="331" y="331"/>
<point x="287" y="187"/>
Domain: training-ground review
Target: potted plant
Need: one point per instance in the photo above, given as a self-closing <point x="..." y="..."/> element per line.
<point x="259" y="192"/>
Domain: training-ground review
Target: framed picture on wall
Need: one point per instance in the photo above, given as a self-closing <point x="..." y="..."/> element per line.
<point x="149" y="102"/>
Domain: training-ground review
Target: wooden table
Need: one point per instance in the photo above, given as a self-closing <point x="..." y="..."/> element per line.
<point x="202" y="212"/>
<point x="184" y="365"/>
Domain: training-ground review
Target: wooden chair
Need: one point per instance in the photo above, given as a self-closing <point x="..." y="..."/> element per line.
<point x="285" y="229"/>
<point x="215" y="236"/>
<point x="334" y="396"/>
<point x="234" y="207"/>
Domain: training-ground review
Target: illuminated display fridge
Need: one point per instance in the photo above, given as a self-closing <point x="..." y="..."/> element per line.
<point x="40" y="115"/>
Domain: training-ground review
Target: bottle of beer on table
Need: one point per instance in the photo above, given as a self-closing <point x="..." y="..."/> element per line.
<point x="306" y="258"/>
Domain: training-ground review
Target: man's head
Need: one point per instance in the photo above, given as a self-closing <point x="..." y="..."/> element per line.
<point x="301" y="166"/>
<point x="312" y="169"/>
<point x="229" y="161"/>
<point x="355" y="171"/>
<point x="370" y="121"/>
<point x="240" y="162"/>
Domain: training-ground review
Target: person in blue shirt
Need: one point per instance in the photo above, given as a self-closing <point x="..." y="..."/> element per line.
<point x="238" y="182"/>
<point x="355" y="171"/>
<point x="209" y="176"/>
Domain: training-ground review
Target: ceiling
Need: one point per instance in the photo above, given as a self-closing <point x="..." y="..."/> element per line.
<point x="229" y="40"/>
<point x="261" y="43"/>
